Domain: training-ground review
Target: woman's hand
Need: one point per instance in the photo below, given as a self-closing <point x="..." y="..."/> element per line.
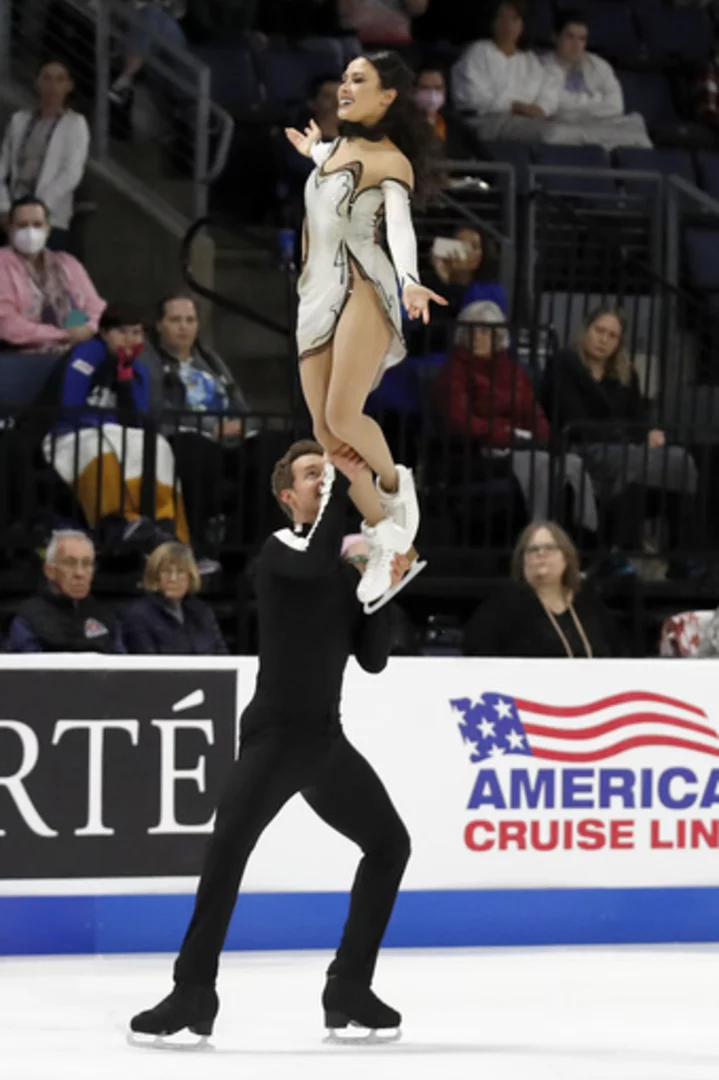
<point x="304" y="143"/>
<point x="416" y="301"/>
<point x="656" y="439"/>
<point x="229" y="429"/>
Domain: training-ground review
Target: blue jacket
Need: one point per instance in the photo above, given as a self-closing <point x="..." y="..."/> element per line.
<point x="89" y="380"/>
<point x="151" y="628"/>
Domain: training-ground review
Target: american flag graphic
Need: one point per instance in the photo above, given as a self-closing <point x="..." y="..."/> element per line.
<point x="499" y="725"/>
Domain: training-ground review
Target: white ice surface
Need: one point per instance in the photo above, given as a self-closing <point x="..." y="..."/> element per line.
<point x="499" y="1014"/>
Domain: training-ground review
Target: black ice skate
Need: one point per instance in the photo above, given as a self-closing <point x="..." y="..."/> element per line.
<point x="188" y="1007"/>
<point x="349" y="1004"/>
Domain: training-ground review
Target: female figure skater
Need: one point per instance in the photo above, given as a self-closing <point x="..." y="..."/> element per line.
<point x="349" y="327"/>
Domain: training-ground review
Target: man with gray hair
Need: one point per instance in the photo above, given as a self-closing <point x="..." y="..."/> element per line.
<point x="64" y="617"/>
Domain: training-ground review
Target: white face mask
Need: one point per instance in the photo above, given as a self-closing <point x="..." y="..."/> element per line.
<point x="29" y="240"/>
<point x="430" y="100"/>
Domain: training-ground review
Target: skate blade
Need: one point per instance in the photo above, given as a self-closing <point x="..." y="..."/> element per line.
<point x="416" y="568"/>
<point x="356" y="1035"/>
<point x="183" y="1042"/>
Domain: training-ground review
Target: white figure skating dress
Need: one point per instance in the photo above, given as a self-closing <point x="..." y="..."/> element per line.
<point x="341" y="239"/>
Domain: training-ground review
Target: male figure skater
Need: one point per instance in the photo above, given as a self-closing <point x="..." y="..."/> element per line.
<point x="291" y="741"/>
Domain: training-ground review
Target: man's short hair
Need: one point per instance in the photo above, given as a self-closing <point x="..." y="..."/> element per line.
<point x="161" y="308"/>
<point x="28" y="200"/>
<point x="117" y="315"/>
<point x="569" y="17"/>
<point x="58" y="539"/>
<point x="283" y="477"/>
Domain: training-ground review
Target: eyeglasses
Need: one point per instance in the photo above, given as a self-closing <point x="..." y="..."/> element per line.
<point x="541" y="549"/>
<point x="77" y="564"/>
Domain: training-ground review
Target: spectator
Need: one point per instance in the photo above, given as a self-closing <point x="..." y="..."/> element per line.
<point x="547" y="611"/>
<point x="469" y="275"/>
<point x="47" y="301"/>
<point x="590" y="104"/>
<point x="487" y="396"/>
<point x="209" y="413"/>
<point x="64" y="617"/>
<point x="44" y="152"/>
<point x="171" y="620"/>
<point x="322" y="108"/>
<point x="157" y="21"/>
<point x="98" y="443"/>
<point x="502" y="84"/>
<point x="594" y="388"/>
<point x="455" y="140"/>
<point x="385" y="22"/>
<point x="706" y="93"/>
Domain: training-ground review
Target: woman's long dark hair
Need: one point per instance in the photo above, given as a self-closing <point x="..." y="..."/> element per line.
<point x="404" y="123"/>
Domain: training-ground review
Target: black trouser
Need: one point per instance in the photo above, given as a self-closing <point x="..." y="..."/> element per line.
<point x="343" y="789"/>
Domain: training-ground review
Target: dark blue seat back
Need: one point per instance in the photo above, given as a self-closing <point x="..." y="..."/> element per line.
<point x="681" y="33"/>
<point x="703" y="257"/>
<point x="667" y="162"/>
<point x="581" y="157"/>
<point x="648" y="93"/>
<point x="23" y="377"/>
<point x="709" y="172"/>
<point x="611" y="29"/>
<point x="286" y="75"/>
<point x="234" y="80"/>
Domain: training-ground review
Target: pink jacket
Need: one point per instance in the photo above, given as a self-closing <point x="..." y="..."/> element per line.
<point x="16" y="301"/>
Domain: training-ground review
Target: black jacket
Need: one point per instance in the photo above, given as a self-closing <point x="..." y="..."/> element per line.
<point x="513" y="622"/>
<point x="51" y="622"/>
<point x="150" y="627"/>
<point x="570" y="394"/>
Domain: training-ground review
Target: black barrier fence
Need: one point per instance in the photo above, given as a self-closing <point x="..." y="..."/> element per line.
<point x="478" y="422"/>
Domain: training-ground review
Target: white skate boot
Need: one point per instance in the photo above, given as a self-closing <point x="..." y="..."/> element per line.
<point x="384" y="540"/>
<point x="401" y="506"/>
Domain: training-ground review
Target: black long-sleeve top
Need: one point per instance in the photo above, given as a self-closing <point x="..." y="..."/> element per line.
<point x="570" y="394"/>
<point x="310" y="623"/>
<point x="513" y="622"/>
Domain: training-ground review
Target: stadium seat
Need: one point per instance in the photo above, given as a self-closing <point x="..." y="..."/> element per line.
<point x="649" y="93"/>
<point x="286" y="75"/>
<point x="234" y="80"/>
<point x="518" y="155"/>
<point x="581" y="157"/>
<point x="703" y="259"/>
<point x="667" y="162"/>
<point x="677" y="33"/>
<point x="541" y="21"/>
<point x="611" y="30"/>
<point x="709" y="173"/>
<point x="22" y="377"/>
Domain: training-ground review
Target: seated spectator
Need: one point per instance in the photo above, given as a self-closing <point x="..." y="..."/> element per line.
<point x="504" y="86"/>
<point x="47" y="300"/>
<point x="546" y="611"/>
<point x="64" y="617"/>
<point x="158" y="20"/>
<point x="590" y="103"/>
<point x="470" y="275"/>
<point x="44" y="152"/>
<point x="171" y="620"/>
<point x="487" y="396"/>
<point x="205" y="413"/>
<point x="594" y="388"/>
<point x="706" y="93"/>
<point x="384" y="22"/>
<point x="453" y="136"/>
<point x="98" y="443"/>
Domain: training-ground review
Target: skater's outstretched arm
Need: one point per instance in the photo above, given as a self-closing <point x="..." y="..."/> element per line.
<point x="290" y="554"/>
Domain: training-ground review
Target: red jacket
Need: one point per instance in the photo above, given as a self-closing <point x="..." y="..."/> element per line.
<point x="489" y="399"/>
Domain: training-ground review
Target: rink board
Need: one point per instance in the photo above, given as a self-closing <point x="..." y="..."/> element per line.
<point x="548" y="803"/>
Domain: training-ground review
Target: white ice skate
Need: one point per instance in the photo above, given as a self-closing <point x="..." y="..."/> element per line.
<point x="384" y="541"/>
<point x="401" y="506"/>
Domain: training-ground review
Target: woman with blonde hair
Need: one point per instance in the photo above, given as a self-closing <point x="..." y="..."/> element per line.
<point x="171" y="620"/>
<point x="591" y="393"/>
<point x="546" y="610"/>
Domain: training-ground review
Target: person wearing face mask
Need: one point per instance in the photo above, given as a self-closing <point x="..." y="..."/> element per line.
<point x="431" y="96"/>
<point x="170" y="620"/>
<point x="47" y="301"/>
<point x="97" y="444"/>
<point x="44" y="152"/>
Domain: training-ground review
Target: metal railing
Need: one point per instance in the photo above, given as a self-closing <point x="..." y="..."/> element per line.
<point x="187" y="136"/>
